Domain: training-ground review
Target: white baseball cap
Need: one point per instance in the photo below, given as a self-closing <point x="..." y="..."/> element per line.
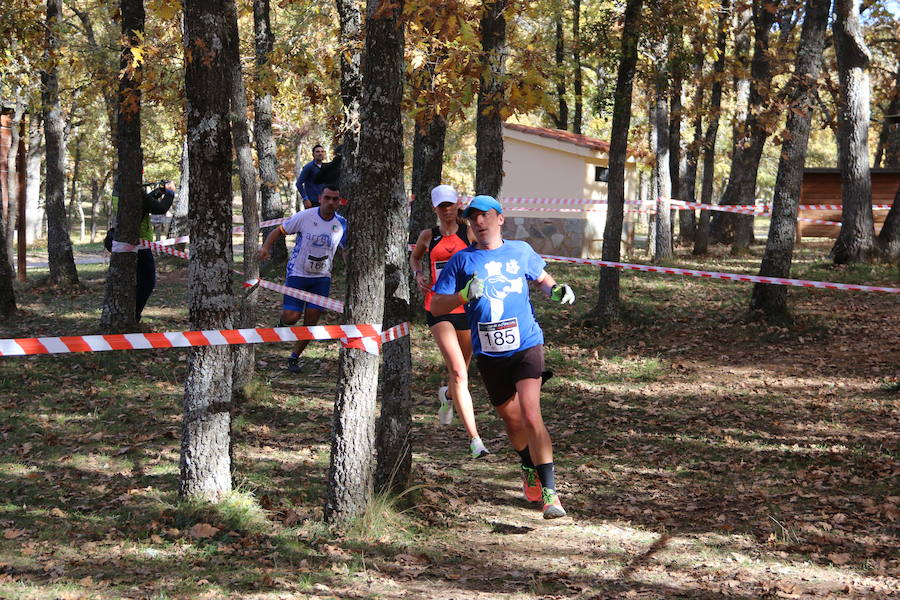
<point x="443" y="193"/>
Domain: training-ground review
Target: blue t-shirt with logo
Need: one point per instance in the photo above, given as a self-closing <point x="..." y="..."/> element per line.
<point x="502" y="320"/>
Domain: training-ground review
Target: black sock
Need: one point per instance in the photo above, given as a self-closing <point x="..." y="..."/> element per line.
<point x="547" y="476"/>
<point x="525" y="457"/>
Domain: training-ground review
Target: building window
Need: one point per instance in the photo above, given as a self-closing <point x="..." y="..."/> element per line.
<point x="601" y="174"/>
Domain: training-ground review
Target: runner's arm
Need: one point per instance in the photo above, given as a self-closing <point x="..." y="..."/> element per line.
<point x="546" y="281"/>
<point x="265" y="251"/>
<point x="442" y="304"/>
<point x="415" y="259"/>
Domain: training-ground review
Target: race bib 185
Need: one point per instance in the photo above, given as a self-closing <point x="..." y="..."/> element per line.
<point x="499" y="336"/>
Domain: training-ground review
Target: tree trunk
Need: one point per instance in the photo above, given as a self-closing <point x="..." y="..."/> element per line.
<point x="34" y="211"/>
<point x="676" y="113"/>
<point x="888" y="151"/>
<point x="561" y="118"/>
<point x="776" y="261"/>
<point x="687" y="224"/>
<point x="889" y="237"/>
<point x="7" y="291"/>
<point x="380" y="165"/>
<point x="748" y="148"/>
<point x="12" y="174"/>
<point x="428" y="162"/>
<point x="701" y="243"/>
<point x="119" y="304"/>
<point x="59" y="245"/>
<point x="392" y="435"/>
<point x="178" y="226"/>
<point x="662" y="250"/>
<point x="576" y="59"/>
<point x="205" y="436"/>
<point x="244" y="355"/>
<point x="608" y="303"/>
<point x="351" y="88"/>
<point x="270" y="201"/>
<point x="489" y="122"/>
<point x="856" y="240"/>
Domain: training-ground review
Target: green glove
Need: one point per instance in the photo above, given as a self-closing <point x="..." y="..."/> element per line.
<point x="473" y="291"/>
<point x="562" y="293"/>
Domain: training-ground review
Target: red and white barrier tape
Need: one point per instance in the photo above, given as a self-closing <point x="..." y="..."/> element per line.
<point x="727" y="276"/>
<point x="323" y="301"/>
<point x="364" y="337"/>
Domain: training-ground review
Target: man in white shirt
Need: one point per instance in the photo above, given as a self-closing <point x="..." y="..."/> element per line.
<point x="320" y="230"/>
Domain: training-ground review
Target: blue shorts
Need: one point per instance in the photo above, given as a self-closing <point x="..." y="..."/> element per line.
<point x="314" y="285"/>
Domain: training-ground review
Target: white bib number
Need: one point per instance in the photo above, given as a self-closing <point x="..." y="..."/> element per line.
<point x="438" y="267"/>
<point x="316" y="264"/>
<point x="500" y="336"/>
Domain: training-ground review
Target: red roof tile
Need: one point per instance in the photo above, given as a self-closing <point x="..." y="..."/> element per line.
<point x="562" y="136"/>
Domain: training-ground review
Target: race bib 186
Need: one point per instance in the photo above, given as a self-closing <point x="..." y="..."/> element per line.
<point x="499" y="336"/>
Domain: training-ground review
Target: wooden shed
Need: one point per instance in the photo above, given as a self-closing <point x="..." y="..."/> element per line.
<point x="823" y="186"/>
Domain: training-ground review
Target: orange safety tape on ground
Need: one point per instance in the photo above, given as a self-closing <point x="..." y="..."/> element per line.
<point x="366" y="337"/>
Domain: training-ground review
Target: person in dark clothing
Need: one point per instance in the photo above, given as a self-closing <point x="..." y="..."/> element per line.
<point x="306" y="182"/>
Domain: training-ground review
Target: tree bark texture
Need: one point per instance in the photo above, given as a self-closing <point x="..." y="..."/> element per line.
<point x="428" y="163"/>
<point x="561" y="118"/>
<point x="776" y="261"/>
<point x="488" y="122"/>
<point x="351" y="89"/>
<point x="11" y="185"/>
<point x="741" y="188"/>
<point x="34" y="210"/>
<point x="687" y="222"/>
<point x="662" y="250"/>
<point x="7" y="291"/>
<point x="119" y="302"/>
<point x="59" y="245"/>
<point x="244" y="354"/>
<point x="205" y="437"/>
<point x="701" y="241"/>
<point x="856" y="239"/>
<point x="608" y="302"/>
<point x="269" y="200"/>
<point x="578" y="83"/>
<point x="380" y="165"/>
<point x="392" y="471"/>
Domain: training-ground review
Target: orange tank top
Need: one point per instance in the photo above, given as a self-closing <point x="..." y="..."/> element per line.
<point x="440" y="249"/>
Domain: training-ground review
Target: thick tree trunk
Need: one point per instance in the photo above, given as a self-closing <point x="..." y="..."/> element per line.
<point x="578" y="84"/>
<point x="380" y="165"/>
<point x="205" y="435"/>
<point x="561" y="118"/>
<point x="59" y="245"/>
<point x="269" y="200"/>
<point x="488" y="122"/>
<point x="748" y="147"/>
<point x="119" y="304"/>
<point x="776" y="262"/>
<point x="11" y="208"/>
<point x="608" y="302"/>
<point x="351" y="89"/>
<point x="428" y="162"/>
<point x="701" y="242"/>
<point x="889" y="236"/>
<point x="244" y="354"/>
<point x="676" y="157"/>
<point x="856" y="240"/>
<point x="662" y="250"/>
<point x="392" y="435"/>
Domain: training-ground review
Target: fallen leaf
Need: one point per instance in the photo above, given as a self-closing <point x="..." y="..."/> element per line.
<point x="203" y="530"/>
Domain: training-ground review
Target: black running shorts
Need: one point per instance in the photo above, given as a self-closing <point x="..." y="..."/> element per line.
<point x="460" y="321"/>
<point x="500" y="374"/>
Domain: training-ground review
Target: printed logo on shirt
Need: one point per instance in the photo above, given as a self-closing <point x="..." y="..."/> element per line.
<point x="498" y="286"/>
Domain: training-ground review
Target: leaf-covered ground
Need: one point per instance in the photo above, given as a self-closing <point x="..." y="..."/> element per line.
<point x="700" y="452"/>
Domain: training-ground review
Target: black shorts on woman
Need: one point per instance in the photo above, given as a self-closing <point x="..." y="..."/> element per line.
<point x="500" y="373"/>
<point x="460" y="321"/>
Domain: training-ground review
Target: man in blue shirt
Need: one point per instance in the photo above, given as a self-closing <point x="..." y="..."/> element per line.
<point x="491" y="278"/>
<point x="306" y="181"/>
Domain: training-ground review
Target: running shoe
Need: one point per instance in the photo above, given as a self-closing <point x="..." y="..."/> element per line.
<point x="552" y="506"/>
<point x="293" y="364"/>
<point x="477" y="449"/>
<point x="445" y="412"/>
<point x="531" y="485"/>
